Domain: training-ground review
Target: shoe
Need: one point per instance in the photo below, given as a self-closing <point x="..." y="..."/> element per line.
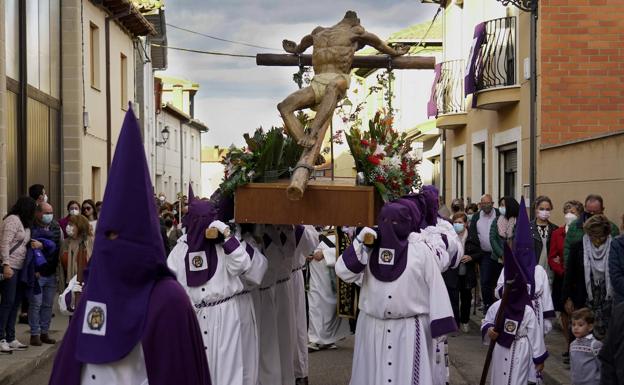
<point x="4" y="347"/>
<point x="465" y="328"/>
<point x="16" y="345"/>
<point x="35" y="341"/>
<point x="301" y="381"/>
<point x="331" y="347"/>
<point x="45" y="338"/>
<point x="312" y="347"/>
<point x="23" y="318"/>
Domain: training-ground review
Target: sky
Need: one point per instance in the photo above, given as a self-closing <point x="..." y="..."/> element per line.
<point x="237" y="96"/>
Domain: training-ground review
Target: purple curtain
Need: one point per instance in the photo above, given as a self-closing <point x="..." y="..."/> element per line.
<point x="432" y="105"/>
<point x="470" y="81"/>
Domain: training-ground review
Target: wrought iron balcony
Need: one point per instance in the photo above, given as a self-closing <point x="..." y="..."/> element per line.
<point x="449" y="91"/>
<point x="496" y="61"/>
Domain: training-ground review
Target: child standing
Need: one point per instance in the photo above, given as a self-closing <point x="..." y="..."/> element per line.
<point x="584" y="363"/>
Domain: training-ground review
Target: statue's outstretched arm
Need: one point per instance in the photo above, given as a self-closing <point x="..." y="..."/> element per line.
<point x="375" y="42"/>
<point x="292" y="47"/>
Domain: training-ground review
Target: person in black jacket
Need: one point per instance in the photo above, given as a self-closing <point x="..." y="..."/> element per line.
<point x="478" y="247"/>
<point x="612" y="353"/>
<point x="542" y="229"/>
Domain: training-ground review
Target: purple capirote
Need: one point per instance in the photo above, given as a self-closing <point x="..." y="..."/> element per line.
<point x="389" y="257"/>
<point x="519" y="267"/>
<point x="201" y="213"/>
<point x="127" y="275"/>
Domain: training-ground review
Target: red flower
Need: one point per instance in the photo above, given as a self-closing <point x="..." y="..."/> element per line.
<point x="365" y="143"/>
<point x="373" y="160"/>
<point x="407" y="181"/>
<point x="380" y="179"/>
<point x="403" y="166"/>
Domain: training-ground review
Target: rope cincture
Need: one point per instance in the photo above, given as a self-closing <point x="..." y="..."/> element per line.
<point x="307" y="167"/>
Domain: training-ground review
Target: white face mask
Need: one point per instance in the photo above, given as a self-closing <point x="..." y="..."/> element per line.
<point x="569" y="218"/>
<point x="543" y="214"/>
<point x="502" y="210"/>
<point x="74" y="212"/>
<point x="45" y="198"/>
<point x="69" y="229"/>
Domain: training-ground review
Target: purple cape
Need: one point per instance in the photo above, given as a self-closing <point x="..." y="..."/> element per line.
<point x="519" y="266"/>
<point x="389" y="257"/>
<point x="170" y="318"/>
<point x="201" y="213"/>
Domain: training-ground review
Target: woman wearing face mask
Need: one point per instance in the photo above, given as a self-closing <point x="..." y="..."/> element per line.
<point x="88" y="210"/>
<point x="77" y="247"/>
<point x="471" y="210"/>
<point x="73" y="208"/>
<point x="587" y="281"/>
<point x="460" y="282"/>
<point x="504" y="227"/>
<point x="542" y="229"/>
<point x="572" y="210"/>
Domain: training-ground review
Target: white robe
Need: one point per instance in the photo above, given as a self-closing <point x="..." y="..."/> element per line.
<point x="249" y="325"/>
<point x="220" y="323"/>
<point x="512" y="366"/>
<point x="542" y="304"/>
<point x="398" y="319"/>
<point x="325" y="326"/>
<point x="305" y="247"/>
<point x="129" y="370"/>
<point x="281" y="256"/>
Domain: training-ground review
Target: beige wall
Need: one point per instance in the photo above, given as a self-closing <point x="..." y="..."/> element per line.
<point x="574" y="171"/>
<point x="3" y="111"/>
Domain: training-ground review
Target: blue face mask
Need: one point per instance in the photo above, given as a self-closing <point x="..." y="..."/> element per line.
<point x="47" y="218"/>
<point x="502" y="210"/>
<point x="459" y="227"/>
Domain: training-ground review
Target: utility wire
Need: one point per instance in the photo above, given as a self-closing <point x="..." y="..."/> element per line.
<point x="221" y="39"/>
<point x="203" y="52"/>
<point x="422" y="40"/>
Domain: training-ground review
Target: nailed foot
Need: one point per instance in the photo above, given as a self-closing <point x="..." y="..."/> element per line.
<point x="307" y="141"/>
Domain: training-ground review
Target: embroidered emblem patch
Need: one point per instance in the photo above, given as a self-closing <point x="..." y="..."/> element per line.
<point x="197" y="261"/>
<point x="511" y="327"/>
<point x="95" y="318"/>
<point x="386" y="256"/>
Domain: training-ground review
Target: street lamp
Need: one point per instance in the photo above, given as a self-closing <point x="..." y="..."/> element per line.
<point x="532" y="7"/>
<point x="164" y="134"/>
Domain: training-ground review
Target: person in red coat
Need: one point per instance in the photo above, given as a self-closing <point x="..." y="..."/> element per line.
<point x="571" y="210"/>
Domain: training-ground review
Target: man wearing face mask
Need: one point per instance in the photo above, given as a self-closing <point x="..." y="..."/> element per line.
<point x="479" y="248"/>
<point x="40" y="308"/>
<point x="594" y="205"/>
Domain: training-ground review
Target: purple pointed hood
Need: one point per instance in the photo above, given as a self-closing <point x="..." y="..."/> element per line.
<point x="389" y="257"/>
<point x="191" y="194"/>
<point x="201" y="213"/>
<point x="519" y="266"/>
<point x="432" y="200"/>
<point x="128" y="257"/>
<point x="416" y="205"/>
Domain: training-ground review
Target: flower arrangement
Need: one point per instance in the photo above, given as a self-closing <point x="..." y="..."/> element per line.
<point x="384" y="157"/>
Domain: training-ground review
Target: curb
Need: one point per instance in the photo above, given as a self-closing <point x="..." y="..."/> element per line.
<point x="19" y="370"/>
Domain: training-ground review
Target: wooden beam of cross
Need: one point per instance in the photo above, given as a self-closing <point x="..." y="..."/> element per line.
<point x="368" y="61"/>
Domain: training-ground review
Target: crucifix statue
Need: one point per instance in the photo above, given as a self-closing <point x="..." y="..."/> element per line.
<point x="333" y="57"/>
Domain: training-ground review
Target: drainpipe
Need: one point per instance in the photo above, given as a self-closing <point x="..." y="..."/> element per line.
<point x="533" y="124"/>
<point x="108" y="93"/>
<point x="22" y="131"/>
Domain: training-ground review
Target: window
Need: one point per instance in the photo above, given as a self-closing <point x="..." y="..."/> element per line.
<point x="479" y="168"/>
<point x="124" y="81"/>
<point x="508" y="170"/>
<point x="459" y="177"/>
<point x="94" y="55"/>
<point x="95" y="183"/>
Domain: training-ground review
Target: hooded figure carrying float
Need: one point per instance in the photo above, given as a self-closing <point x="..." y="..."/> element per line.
<point x="210" y="271"/>
<point x="403" y="300"/>
<point x="133" y="324"/>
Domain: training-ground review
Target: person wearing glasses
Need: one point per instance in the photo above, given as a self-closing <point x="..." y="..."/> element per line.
<point x="88" y="210"/>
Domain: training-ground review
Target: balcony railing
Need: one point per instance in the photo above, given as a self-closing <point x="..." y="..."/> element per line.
<point x="449" y="92"/>
<point x="496" y="63"/>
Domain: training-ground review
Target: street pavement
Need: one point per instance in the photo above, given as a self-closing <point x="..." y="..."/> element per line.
<point x="327" y="367"/>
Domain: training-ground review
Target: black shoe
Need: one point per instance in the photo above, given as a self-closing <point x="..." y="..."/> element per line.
<point x="301" y="381"/>
<point x="23" y="318"/>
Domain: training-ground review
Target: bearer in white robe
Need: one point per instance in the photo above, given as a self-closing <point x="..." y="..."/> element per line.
<point x="251" y="279"/>
<point x="325" y="326"/>
<point x="306" y="239"/>
<point x="403" y="301"/>
<point x="210" y="273"/>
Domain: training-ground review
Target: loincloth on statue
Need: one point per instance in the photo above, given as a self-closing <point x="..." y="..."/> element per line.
<point x="320" y="82"/>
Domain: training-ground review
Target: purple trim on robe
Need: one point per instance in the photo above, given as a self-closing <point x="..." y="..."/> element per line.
<point x="454" y="258"/>
<point x="298" y="233"/>
<point x="485" y="328"/>
<point x="230" y="245"/>
<point x="500" y="292"/>
<point x="445" y="240"/>
<point x="351" y="260"/>
<point x="68" y="301"/>
<point x="550" y="314"/>
<point x="416" y="362"/>
<point x="266" y="240"/>
<point x="250" y="251"/>
<point x="443" y="326"/>
<point x="170" y="317"/>
<point x="541" y="358"/>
